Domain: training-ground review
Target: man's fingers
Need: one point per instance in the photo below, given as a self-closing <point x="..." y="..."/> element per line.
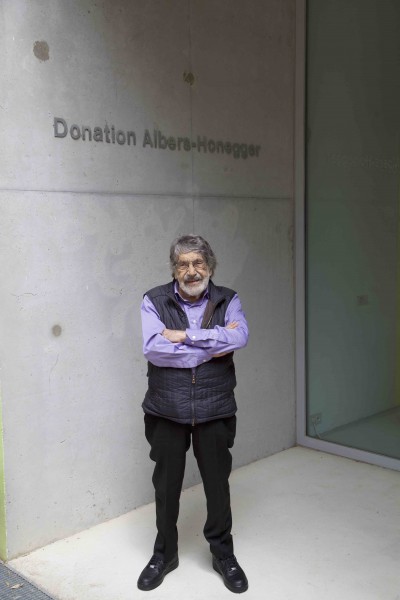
<point x="173" y="335"/>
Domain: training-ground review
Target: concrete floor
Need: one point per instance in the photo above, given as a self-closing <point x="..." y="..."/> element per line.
<point x="307" y="525"/>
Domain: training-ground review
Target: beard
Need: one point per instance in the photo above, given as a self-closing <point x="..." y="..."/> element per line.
<point x="194" y="290"/>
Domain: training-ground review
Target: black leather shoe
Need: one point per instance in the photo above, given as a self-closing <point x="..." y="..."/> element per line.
<point x="154" y="572"/>
<point x="232" y="574"/>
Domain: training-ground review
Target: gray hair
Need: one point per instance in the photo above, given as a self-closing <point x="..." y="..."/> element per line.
<point x="192" y="243"/>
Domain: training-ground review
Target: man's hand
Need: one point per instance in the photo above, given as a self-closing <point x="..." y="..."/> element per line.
<point x="232" y="325"/>
<point x="174" y="335"/>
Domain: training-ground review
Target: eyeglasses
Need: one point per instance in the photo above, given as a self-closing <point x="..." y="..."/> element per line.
<point x="198" y="265"/>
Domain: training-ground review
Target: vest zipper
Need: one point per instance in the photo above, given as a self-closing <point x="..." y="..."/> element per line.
<point x="207" y="325"/>
<point x="192" y="394"/>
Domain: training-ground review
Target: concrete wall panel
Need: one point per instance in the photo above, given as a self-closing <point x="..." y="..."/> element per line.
<point x="253" y="240"/>
<point x="92" y="63"/>
<point x="73" y="375"/>
<point x="243" y="63"/>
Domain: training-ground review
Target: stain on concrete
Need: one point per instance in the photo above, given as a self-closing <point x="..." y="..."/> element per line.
<point x="41" y="50"/>
<point x="57" y="330"/>
<point x="188" y="78"/>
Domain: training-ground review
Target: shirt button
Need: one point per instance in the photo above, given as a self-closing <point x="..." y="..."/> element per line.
<point x="193" y="337"/>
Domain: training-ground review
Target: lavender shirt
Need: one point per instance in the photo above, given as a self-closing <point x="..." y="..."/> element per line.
<point x="200" y="345"/>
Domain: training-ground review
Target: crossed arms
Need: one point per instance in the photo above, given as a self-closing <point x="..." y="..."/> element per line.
<point x="191" y="347"/>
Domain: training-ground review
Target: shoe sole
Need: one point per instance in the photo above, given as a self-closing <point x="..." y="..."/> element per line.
<point x="230" y="588"/>
<point x="172" y="567"/>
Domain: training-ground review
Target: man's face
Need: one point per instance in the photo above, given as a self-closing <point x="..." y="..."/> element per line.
<point x="192" y="274"/>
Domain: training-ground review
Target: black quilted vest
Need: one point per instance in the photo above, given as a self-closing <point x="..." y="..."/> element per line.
<point x="191" y="395"/>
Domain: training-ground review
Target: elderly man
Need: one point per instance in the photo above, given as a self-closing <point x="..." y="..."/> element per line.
<point x="191" y="328"/>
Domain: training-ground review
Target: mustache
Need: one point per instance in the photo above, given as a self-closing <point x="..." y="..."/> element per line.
<point x="190" y="278"/>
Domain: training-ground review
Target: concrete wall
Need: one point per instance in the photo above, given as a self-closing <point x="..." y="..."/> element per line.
<point x="86" y="228"/>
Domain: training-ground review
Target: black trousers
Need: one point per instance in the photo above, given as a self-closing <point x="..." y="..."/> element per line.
<point x="169" y="443"/>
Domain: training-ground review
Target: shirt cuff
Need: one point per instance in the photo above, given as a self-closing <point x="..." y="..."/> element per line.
<point x="200" y="335"/>
<point x="191" y="337"/>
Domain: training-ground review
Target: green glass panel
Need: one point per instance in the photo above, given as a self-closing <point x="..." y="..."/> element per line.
<point x="352" y="200"/>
